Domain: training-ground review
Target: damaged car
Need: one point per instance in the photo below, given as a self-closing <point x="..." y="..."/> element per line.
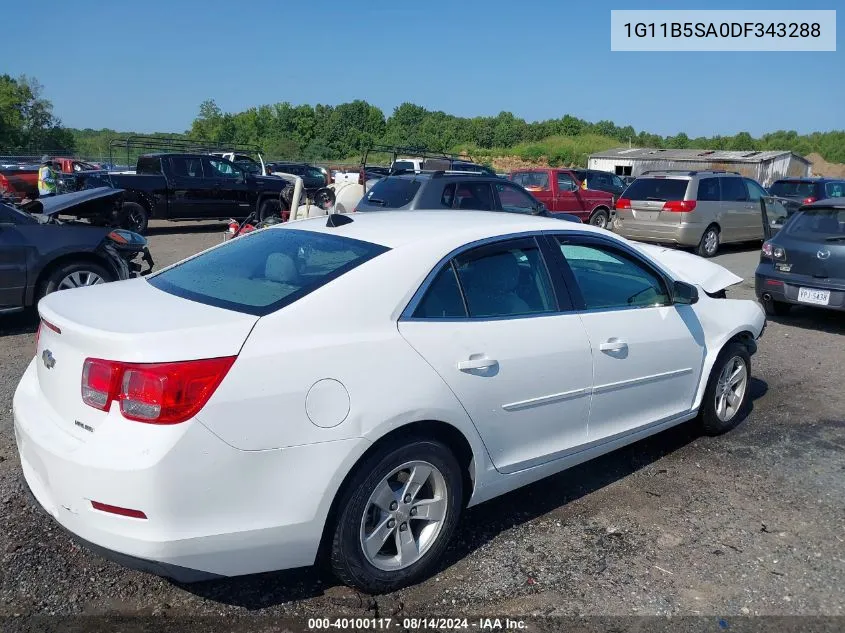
<point x="40" y="254"/>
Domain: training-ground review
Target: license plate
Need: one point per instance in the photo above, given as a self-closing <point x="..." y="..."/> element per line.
<point x="646" y="215"/>
<point x="811" y="295"/>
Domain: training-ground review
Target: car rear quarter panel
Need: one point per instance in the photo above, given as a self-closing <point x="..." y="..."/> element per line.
<point x="345" y="332"/>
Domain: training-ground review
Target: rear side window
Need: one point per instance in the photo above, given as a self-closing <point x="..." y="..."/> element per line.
<point x="263" y="272"/>
<point x="755" y="191"/>
<point x="474" y="196"/>
<point x="834" y="189"/>
<point x="391" y="193"/>
<point x="708" y="190"/>
<point x="443" y="300"/>
<point x="657" y="189"/>
<point x="533" y="181"/>
<point x="793" y="189"/>
<point x="186" y="167"/>
<point x="733" y="190"/>
<point x="148" y="165"/>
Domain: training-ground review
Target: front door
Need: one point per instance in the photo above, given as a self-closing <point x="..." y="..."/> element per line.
<point x="518" y="360"/>
<point x="648" y="353"/>
<point x="567" y="199"/>
<point x="231" y="190"/>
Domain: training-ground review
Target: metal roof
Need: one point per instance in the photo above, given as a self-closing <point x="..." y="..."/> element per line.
<point x="646" y="153"/>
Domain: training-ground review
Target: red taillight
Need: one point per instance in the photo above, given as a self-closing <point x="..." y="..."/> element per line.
<point x="809" y="200"/>
<point x="126" y="512"/>
<point x="679" y="206"/>
<point x="158" y="393"/>
<point x="623" y="203"/>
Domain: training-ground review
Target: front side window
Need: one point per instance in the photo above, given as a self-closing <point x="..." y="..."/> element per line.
<point x="515" y="201"/>
<point x="617" y="182"/>
<point x="755" y="191"/>
<point x="565" y="182"/>
<point x="608" y="278"/>
<point x="505" y="280"/>
<point x="265" y="271"/>
<point x="223" y="169"/>
<point x="835" y="189"/>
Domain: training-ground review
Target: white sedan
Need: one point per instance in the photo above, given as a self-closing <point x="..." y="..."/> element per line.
<point x="354" y="383"/>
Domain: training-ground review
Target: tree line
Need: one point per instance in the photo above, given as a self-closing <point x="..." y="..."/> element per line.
<point x="342" y="132"/>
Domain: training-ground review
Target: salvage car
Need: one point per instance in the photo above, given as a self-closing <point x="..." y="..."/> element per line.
<point x="453" y="190"/>
<point x="40" y="254"/>
<point x="512" y="348"/>
<point x="185" y="186"/>
<point x="804" y="264"/>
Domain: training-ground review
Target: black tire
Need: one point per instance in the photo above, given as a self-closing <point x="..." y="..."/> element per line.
<point x="600" y="218"/>
<point x="269" y="208"/>
<point x="705" y="247"/>
<point x="347" y="558"/>
<point x="777" y="308"/>
<point x="56" y="276"/>
<point x="134" y="217"/>
<point x="711" y="423"/>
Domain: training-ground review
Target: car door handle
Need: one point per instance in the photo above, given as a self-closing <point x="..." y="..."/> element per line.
<point x="477" y="363"/>
<point x="613" y="345"/>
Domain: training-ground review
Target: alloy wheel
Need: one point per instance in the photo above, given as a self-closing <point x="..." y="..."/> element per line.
<point x="404" y="515"/>
<point x="730" y="388"/>
<point x="711" y="241"/>
<point x="79" y="279"/>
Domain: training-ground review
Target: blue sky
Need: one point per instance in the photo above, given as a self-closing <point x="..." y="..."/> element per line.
<point x="146" y="66"/>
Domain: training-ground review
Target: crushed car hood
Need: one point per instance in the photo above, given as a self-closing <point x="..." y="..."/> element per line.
<point x="708" y="275"/>
<point x="66" y="201"/>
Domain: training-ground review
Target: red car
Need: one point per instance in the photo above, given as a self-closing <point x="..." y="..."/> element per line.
<point x="562" y="192"/>
<point x="19" y="183"/>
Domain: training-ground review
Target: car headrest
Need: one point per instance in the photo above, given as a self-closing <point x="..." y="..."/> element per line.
<point x="280" y="268"/>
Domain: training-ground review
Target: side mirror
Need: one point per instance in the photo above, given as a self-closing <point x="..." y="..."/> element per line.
<point x="684" y="293"/>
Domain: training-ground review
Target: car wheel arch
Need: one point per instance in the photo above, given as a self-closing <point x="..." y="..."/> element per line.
<point x="449" y="434"/>
<point x="33" y="290"/>
<point x="742" y="335"/>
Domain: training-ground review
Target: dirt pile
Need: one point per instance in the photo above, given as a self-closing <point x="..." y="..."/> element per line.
<point x="822" y="168"/>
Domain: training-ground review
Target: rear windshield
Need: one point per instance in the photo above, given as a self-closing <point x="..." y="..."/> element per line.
<point x="657" y="189"/>
<point x="263" y="272"/>
<point x="404" y="164"/>
<point x="818" y="225"/>
<point x="793" y="189"/>
<point x="390" y="193"/>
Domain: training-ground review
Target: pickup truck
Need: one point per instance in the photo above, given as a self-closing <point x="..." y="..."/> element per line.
<point x="560" y="191"/>
<point x="185" y="186"/>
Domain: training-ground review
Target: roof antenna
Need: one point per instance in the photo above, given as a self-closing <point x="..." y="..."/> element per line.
<point x="337" y="219"/>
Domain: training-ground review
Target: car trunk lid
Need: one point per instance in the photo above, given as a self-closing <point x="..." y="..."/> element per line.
<point x="128" y="321"/>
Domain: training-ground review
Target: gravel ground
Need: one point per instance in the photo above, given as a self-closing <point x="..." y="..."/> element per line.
<point x="752" y="522"/>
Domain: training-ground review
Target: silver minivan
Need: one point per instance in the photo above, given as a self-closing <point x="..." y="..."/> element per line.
<point x="702" y="209"/>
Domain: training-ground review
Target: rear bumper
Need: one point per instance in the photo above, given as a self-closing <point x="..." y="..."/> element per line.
<point x="682" y="234"/>
<point x="771" y="284"/>
<point x="212" y="510"/>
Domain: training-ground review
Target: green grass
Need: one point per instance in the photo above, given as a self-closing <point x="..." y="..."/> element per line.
<point x="557" y="150"/>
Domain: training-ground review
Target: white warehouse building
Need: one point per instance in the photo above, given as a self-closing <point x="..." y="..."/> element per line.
<point x="764" y="167"/>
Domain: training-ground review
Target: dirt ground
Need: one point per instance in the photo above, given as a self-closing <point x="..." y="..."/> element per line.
<point x="752" y="522"/>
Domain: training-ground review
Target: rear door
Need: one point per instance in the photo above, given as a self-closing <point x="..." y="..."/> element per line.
<point x="192" y="194"/>
<point x="491" y="324"/>
<point x="738" y="215"/>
